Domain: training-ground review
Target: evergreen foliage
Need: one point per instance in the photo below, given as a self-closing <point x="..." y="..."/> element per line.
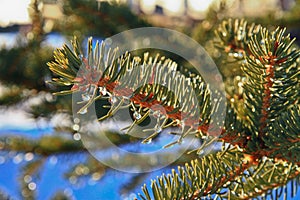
<point x="259" y="158"/>
<point x="260" y="151"/>
<point x="83" y="19"/>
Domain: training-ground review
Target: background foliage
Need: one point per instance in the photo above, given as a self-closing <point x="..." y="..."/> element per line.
<point x="23" y="72"/>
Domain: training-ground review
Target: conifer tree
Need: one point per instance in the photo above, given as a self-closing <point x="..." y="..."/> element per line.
<point x="260" y="138"/>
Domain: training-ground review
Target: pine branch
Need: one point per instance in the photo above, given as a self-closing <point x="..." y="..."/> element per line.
<point x="271" y="72"/>
<point x="283" y="141"/>
<point x="270" y="83"/>
<point x="250" y="180"/>
<point x="200" y="178"/>
<point x="234" y="133"/>
<point x="270" y="91"/>
<point x="90" y="168"/>
<point x="27" y="180"/>
<point x="233" y="36"/>
<point x="45" y="146"/>
<point x="149" y="87"/>
<point x="263" y="179"/>
<point x="263" y="109"/>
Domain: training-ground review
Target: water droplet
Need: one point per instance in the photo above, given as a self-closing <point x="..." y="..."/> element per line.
<point x="27" y="178"/>
<point x="85" y="97"/>
<point x="18" y="158"/>
<point x="25" y="193"/>
<point x="83" y="111"/>
<point x="73" y="179"/>
<point x="96" y="176"/>
<point x="253" y="109"/>
<point x="240" y="55"/>
<point x="264" y="158"/>
<point x="32" y="186"/>
<point x="148" y="141"/>
<point x="53" y="160"/>
<point x="137" y="115"/>
<point x="76" y="120"/>
<point x="76" y="127"/>
<point x="103" y="90"/>
<point x="158" y="128"/>
<point x="113" y="99"/>
<point x="156" y="114"/>
<point x="29" y="156"/>
<point x="77" y="136"/>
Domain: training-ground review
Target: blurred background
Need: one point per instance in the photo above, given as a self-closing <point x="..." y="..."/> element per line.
<point x="41" y="155"/>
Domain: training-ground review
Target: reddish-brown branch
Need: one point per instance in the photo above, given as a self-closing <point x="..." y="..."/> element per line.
<point x="232" y="47"/>
<point x="234" y="138"/>
<point x="270" y="63"/>
<point x="266" y="99"/>
<point x="190" y="121"/>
